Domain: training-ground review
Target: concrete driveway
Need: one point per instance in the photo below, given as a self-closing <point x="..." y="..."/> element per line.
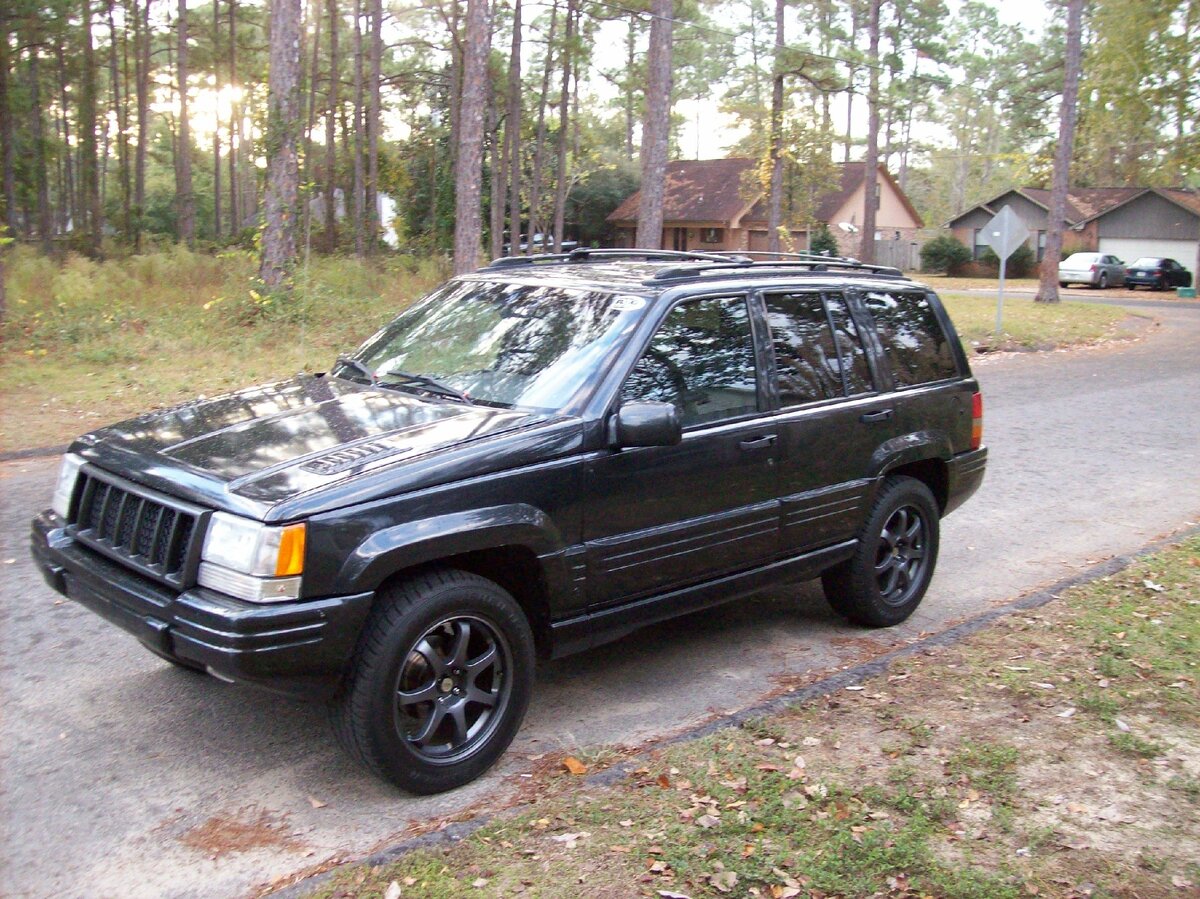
<point x="122" y="776"/>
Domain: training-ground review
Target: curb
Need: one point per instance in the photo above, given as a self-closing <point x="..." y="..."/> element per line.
<point x="35" y="453"/>
<point x="850" y="677"/>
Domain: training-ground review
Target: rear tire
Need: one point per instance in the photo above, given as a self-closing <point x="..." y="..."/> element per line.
<point x="1062" y="283"/>
<point x="886" y="578"/>
<point x="440" y="681"/>
<point x="1103" y="282"/>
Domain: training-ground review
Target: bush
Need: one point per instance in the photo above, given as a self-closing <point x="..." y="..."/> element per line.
<point x="1020" y="263"/>
<point x="944" y="254"/>
<point x="823" y="241"/>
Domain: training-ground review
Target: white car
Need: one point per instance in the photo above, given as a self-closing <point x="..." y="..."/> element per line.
<point x="1098" y="270"/>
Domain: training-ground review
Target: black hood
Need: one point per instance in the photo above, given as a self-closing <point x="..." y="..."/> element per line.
<point x="262" y="446"/>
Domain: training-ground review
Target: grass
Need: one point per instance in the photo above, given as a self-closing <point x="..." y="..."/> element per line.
<point x="1017" y="763"/>
<point x="86" y="343"/>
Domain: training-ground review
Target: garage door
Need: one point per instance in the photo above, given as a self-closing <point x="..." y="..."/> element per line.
<point x="1129" y="249"/>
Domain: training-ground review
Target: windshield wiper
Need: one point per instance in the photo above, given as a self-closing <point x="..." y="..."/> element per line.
<point x="432" y="385"/>
<point x="359" y="367"/>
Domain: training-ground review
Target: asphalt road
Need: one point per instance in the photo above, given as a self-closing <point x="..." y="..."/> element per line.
<point x="122" y="776"/>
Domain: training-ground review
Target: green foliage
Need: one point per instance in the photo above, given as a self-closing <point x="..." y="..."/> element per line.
<point x="1020" y="264"/>
<point x="945" y="253"/>
<point x="595" y="197"/>
<point x="823" y="240"/>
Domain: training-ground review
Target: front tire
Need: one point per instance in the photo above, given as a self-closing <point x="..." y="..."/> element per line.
<point x="886" y="578"/>
<point x="440" y="682"/>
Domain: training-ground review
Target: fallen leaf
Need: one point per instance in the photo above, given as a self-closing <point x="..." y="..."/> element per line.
<point x="316" y="803"/>
<point x="723" y="880"/>
<point x="628" y="822"/>
<point x="479" y="883"/>
<point x="1150" y="585"/>
<point x="664" y="782"/>
<point x="1066" y="713"/>
<point x="707" y="821"/>
<point x="393" y="891"/>
<point x="657" y="867"/>
<point x="569" y="839"/>
<point x="667" y="894"/>
<point x="574" y="766"/>
<point x="1121" y="725"/>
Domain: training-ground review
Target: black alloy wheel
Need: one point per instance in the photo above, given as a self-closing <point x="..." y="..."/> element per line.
<point x="439" y="683"/>
<point x="901" y="558"/>
<point x="453" y="689"/>
<point x="894" y="559"/>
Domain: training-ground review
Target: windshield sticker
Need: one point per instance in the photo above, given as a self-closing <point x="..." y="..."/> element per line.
<point x="628" y="304"/>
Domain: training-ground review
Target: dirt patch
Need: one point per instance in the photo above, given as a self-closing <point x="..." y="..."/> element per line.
<point x="245" y="830"/>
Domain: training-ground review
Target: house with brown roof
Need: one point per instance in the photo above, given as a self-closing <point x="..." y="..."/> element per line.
<point x="715" y="204"/>
<point x="1127" y="222"/>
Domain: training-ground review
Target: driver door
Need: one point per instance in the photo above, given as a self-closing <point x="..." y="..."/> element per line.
<point x="664" y="517"/>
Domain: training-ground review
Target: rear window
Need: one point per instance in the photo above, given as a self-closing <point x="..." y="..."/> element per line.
<point x="1148" y="262"/>
<point x="912" y="337"/>
<point x="1081" y="259"/>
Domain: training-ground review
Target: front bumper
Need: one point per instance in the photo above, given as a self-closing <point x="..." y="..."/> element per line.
<point x="964" y="474"/>
<point x="299" y="648"/>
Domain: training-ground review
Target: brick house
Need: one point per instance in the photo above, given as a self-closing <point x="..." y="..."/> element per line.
<point x="714" y="204"/>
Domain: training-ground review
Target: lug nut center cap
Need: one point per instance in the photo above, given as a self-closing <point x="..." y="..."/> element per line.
<point x="446" y="685"/>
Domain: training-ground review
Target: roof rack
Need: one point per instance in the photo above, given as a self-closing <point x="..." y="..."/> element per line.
<point x="811" y="264"/>
<point x="587" y="254"/>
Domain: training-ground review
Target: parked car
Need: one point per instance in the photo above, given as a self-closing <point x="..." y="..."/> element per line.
<point x="1098" y="270"/>
<point x="1157" y="272"/>
<point x="538" y="457"/>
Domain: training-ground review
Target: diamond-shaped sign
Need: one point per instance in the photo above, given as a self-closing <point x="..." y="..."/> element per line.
<point x="1005" y="232"/>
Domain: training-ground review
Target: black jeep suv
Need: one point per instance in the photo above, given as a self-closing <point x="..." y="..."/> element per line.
<point x="538" y="457"/>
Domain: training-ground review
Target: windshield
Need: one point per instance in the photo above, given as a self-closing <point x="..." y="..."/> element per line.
<point x="498" y="344"/>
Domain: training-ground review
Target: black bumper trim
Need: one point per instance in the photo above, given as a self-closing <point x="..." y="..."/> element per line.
<point x="299" y="648"/>
<point x="964" y="475"/>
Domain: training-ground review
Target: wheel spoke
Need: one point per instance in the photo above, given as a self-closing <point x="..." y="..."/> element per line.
<point x="483" y="697"/>
<point x="458" y="654"/>
<point x="428" y="693"/>
<point x="884" y="564"/>
<point x="458" y="720"/>
<point x="915" y="529"/>
<point x="435" y="659"/>
<point x="430" y="725"/>
<point x="889" y="587"/>
<point x="482" y="662"/>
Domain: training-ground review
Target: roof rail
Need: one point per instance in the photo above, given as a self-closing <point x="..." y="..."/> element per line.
<point x="587" y="254"/>
<point x="814" y="264"/>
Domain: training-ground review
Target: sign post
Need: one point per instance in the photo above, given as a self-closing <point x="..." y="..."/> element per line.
<point x="1004" y="233"/>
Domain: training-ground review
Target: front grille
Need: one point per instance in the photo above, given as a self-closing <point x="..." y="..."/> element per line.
<point x="148" y="531"/>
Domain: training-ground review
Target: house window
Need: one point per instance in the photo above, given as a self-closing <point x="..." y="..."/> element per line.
<point x="1041" y="247"/>
<point x="712" y="235"/>
<point x="877" y="194"/>
<point x="981" y="244"/>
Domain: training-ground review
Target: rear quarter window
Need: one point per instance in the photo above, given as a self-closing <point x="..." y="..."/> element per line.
<point x="912" y="337"/>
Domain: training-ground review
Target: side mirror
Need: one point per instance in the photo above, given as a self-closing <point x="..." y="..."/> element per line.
<point x="645" y="423"/>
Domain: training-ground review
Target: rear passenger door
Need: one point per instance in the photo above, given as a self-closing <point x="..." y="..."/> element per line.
<point x="832" y="417"/>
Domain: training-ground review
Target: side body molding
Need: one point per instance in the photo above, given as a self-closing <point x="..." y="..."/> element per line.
<point x="428" y="539"/>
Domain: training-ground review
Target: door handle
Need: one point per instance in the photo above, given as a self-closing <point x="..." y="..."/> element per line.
<point x="881" y="415"/>
<point x="754" y="443"/>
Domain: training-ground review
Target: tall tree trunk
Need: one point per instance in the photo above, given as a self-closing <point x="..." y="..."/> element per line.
<point x="185" y="200"/>
<point x="629" y="104"/>
<point x="539" y="151"/>
<point x="69" y="205"/>
<point x="89" y="176"/>
<point x="374" y="120"/>
<point x="1068" y="110"/>
<point x="655" y="128"/>
<point x="119" y="108"/>
<point x="126" y="168"/>
<point x="871" y="173"/>
<point x="235" y="128"/>
<point x="497" y="178"/>
<point x="330" y="131"/>
<point x="8" y="150"/>
<point x="775" y="196"/>
<point x="283" y="123"/>
<point x="142" y="56"/>
<point x="216" y="42"/>
<point x="359" y="188"/>
<point x="44" y="226"/>
<point x="468" y="215"/>
<point x="314" y="12"/>
<point x="512" y="133"/>
<point x="560" y="184"/>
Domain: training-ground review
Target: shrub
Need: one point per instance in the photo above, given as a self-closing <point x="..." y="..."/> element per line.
<point x="945" y="253"/>
<point x="823" y="241"/>
<point x="1020" y="263"/>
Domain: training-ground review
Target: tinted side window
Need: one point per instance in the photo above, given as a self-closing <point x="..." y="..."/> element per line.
<point x="817" y="350"/>
<point x="702" y="360"/>
<point x="912" y="337"/>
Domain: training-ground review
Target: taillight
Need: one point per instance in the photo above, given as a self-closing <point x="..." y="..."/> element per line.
<point x="1095" y="267"/>
<point x="977" y="421"/>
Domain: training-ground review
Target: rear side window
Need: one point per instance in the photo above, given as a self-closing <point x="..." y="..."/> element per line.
<point x="818" y="354"/>
<point x="912" y="337"/>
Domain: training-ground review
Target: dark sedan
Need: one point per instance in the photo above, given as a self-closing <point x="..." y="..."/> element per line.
<point x="1157" y="272"/>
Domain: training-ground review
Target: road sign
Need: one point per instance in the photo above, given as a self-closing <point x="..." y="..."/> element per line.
<point x="1005" y="232"/>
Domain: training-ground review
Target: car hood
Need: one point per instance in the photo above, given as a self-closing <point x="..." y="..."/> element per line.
<point x="260" y="451"/>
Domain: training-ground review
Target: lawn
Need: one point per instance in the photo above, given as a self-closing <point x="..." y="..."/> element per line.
<point x="1054" y="754"/>
<point x="86" y="343"/>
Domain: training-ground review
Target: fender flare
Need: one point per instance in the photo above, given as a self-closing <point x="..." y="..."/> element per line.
<point x="918" y="446"/>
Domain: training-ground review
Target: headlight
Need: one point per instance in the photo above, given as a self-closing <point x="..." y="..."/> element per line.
<point x="68" y="473"/>
<point x="251" y="560"/>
